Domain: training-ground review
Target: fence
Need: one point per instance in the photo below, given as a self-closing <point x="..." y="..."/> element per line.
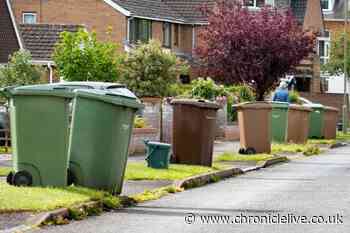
<point x="5" y="139"/>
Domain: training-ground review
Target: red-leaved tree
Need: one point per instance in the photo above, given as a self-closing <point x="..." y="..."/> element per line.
<point x="251" y="47"/>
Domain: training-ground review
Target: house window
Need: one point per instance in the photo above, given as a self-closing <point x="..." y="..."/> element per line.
<point x="29" y="18"/>
<point x="167" y="35"/>
<point x="323" y="48"/>
<point x="258" y="3"/>
<point x="327" y="5"/>
<point x="303" y="84"/>
<point x="140" y="30"/>
<point x="176" y="36"/>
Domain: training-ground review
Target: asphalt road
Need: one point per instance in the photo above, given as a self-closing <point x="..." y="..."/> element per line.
<point x="314" y="186"/>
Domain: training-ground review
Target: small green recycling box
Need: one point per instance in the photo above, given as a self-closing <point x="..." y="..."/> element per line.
<point x="158" y="154"/>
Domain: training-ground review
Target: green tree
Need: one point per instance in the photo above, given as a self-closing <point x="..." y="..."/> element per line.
<point x="335" y="65"/>
<point x="149" y="70"/>
<point x="20" y="70"/>
<point x="80" y="56"/>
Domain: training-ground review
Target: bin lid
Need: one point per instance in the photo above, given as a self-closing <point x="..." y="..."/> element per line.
<point x="254" y="105"/>
<point x="196" y="103"/>
<point x="91" y="85"/>
<point x="331" y="109"/>
<point x="278" y="104"/>
<point x="314" y="106"/>
<point x="40" y="89"/>
<point x="160" y="144"/>
<point x="123" y="97"/>
<point x="300" y="107"/>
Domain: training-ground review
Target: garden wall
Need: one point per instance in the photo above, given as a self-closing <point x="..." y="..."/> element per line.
<point x="137" y="144"/>
<point x="152" y="115"/>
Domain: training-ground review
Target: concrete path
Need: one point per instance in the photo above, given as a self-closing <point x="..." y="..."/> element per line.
<point x="314" y="186"/>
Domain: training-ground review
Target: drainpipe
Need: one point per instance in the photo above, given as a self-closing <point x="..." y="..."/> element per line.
<point x="49" y="65"/>
<point x="193" y="37"/>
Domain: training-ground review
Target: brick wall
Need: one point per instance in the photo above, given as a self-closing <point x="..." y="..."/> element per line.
<point x="96" y="15"/>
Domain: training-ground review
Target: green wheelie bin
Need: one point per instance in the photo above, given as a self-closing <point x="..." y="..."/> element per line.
<point x="279" y="121"/>
<point x="39" y="133"/>
<point x="316" y="121"/>
<point x="102" y="124"/>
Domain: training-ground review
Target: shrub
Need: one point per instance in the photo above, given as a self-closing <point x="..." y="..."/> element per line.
<point x="181" y="90"/>
<point x="206" y="89"/>
<point x="20" y="71"/>
<point x="140" y="122"/>
<point x="81" y="57"/>
<point x="149" y="70"/>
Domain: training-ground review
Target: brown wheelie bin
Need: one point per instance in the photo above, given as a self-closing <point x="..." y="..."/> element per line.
<point x="194" y="125"/>
<point x="298" y="124"/>
<point x="330" y="122"/>
<point x="254" y="120"/>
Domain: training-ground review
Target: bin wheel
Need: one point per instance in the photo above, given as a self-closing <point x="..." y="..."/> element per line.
<point x="241" y="151"/>
<point x="22" y="178"/>
<point x="250" y="151"/>
<point x="71" y="179"/>
<point x="9" y="178"/>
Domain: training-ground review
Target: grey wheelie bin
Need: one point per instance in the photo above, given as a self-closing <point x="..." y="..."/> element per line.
<point x="39" y="133"/>
<point x="102" y="124"/>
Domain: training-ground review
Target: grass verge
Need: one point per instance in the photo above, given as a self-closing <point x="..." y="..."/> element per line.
<point x="16" y="199"/>
<point x="140" y="171"/>
<point x="5" y="170"/>
<point x="343" y="137"/>
<point x="226" y="156"/>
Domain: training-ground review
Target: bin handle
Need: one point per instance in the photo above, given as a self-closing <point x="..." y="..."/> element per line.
<point x="151" y="152"/>
<point x="60" y="88"/>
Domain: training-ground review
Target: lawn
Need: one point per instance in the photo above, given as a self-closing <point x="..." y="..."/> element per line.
<point x="5" y="170"/>
<point x="140" y="171"/>
<point x="238" y="157"/>
<point x="42" y="199"/>
<point x="343" y="137"/>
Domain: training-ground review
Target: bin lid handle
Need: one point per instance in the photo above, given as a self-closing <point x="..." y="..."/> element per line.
<point x="60" y="88"/>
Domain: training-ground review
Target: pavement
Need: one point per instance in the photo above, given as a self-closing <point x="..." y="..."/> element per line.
<point x="312" y="186"/>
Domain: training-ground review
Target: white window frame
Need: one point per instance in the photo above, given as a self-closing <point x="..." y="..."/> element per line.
<point x="327" y="48"/>
<point x="29" y="14"/>
<point x="330" y="7"/>
<point x="255" y="7"/>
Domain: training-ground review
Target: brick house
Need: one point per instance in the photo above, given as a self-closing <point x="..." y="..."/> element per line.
<point x="333" y="11"/>
<point x="174" y="23"/>
<point x="40" y="40"/>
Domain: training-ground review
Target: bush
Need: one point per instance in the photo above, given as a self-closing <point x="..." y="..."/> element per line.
<point x="294" y="97"/>
<point x="81" y="57"/>
<point x="181" y="90"/>
<point x="206" y="89"/>
<point x="139" y="122"/>
<point x="20" y="71"/>
<point x="149" y="70"/>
